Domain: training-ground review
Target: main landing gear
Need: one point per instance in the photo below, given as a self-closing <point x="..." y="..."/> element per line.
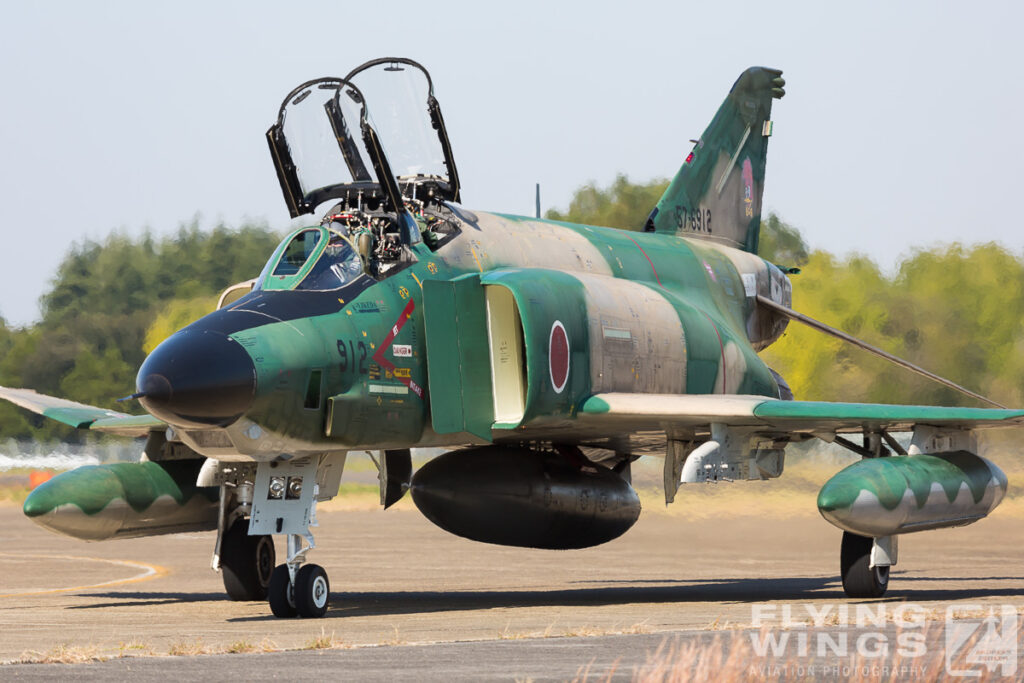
<point x="246" y="562"/>
<point x="862" y="578"/>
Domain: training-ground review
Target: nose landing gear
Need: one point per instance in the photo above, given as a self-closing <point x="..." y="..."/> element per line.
<point x="296" y="590"/>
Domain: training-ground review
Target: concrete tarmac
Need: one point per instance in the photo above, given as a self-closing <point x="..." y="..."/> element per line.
<point x="396" y="580"/>
<point x="705" y="655"/>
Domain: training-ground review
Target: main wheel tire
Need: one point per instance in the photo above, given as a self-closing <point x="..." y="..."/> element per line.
<point x="246" y="562"/>
<point x="312" y="591"/>
<point x="280" y="593"/>
<point x="860" y="580"/>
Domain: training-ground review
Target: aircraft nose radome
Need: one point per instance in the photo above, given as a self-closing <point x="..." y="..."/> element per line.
<point x="197" y="378"/>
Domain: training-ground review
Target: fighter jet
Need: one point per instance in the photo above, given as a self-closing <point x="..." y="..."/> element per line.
<point x="544" y="356"/>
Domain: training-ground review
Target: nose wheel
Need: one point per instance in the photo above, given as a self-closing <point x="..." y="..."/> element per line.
<point x="281" y="593"/>
<point x="312" y="591"/>
<point x="308" y="596"/>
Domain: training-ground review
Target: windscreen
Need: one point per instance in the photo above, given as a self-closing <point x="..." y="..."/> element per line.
<point x="298" y="251"/>
<point x="317" y="259"/>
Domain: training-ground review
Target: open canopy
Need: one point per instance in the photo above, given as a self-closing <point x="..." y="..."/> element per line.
<point x="375" y="136"/>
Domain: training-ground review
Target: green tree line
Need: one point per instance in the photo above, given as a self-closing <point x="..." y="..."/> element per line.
<point x="104" y="299"/>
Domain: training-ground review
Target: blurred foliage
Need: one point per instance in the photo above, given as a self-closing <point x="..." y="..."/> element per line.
<point x="622" y="205"/>
<point x="627" y="205"/>
<point x="108" y="304"/>
<point x="175" y="315"/>
<point x="781" y="243"/>
<point x="956" y="311"/>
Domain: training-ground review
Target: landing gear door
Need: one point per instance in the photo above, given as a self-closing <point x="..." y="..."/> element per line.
<point x="458" y="357"/>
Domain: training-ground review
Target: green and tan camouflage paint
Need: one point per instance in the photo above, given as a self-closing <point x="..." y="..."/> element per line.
<point x="124" y="500"/>
<point x="886" y="496"/>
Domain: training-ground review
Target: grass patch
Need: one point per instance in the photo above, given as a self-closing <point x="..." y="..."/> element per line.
<point x="240" y="647"/>
<point x="582" y="631"/>
<point x="324" y="642"/>
<point x="188" y="648"/>
<point x="135" y="648"/>
<point x="63" y="654"/>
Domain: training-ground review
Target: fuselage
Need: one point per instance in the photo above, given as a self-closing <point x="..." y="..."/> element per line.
<point x="348" y="368"/>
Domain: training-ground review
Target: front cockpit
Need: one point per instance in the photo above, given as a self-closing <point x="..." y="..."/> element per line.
<point x="313" y="259"/>
<point x="373" y="147"/>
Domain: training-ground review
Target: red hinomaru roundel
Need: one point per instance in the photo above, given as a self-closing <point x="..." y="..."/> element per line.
<point x="558" y="356"/>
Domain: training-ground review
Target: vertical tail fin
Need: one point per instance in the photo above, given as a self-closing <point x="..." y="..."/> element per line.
<point x="717" y="193"/>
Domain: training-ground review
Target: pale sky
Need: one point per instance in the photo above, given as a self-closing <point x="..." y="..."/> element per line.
<point x="900" y="127"/>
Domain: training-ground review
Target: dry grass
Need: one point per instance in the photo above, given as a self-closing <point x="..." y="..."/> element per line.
<point x="240" y="647"/>
<point x="67" y="654"/>
<point x="395" y="640"/>
<point x="63" y="654"/>
<point x="731" y="657"/>
<point x="324" y="642"/>
<point x="135" y="648"/>
<point x="582" y="631"/>
<point x="188" y="648"/>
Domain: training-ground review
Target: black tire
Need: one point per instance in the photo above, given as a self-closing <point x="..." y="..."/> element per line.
<point x="280" y="594"/>
<point x="246" y="562"/>
<point x="312" y="591"/>
<point x="860" y="580"/>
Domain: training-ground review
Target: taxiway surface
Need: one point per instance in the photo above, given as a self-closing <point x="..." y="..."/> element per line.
<point x="398" y="580"/>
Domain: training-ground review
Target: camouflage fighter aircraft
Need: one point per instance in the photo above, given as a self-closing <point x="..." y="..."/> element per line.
<point x="543" y="354"/>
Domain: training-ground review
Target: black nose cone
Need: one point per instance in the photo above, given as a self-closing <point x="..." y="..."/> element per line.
<point x="197" y="378"/>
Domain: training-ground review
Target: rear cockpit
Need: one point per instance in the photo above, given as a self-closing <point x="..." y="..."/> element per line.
<point x="373" y="147"/>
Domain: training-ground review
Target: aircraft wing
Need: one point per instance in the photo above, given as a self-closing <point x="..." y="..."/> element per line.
<point x="82" y="416"/>
<point x="665" y="411"/>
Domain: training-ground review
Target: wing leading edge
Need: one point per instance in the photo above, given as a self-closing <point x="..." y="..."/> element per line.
<point x="665" y="411"/>
<point x="80" y="415"/>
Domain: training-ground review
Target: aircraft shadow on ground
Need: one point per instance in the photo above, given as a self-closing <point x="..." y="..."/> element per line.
<point x="148" y="599"/>
<point x="639" y="591"/>
<point x="742" y="590"/>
